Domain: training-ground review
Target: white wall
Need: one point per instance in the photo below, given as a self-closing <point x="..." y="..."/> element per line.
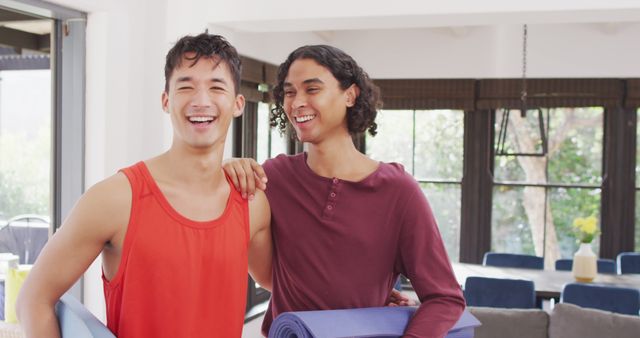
<point x="124" y="119"/>
<point x="127" y="42"/>
<point x="554" y="50"/>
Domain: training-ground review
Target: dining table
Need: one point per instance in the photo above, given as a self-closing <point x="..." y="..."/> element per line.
<point x="548" y="283"/>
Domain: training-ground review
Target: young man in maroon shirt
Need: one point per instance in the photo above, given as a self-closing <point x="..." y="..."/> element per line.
<point x="345" y="226"/>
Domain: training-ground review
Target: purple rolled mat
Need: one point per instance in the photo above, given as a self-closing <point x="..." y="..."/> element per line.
<point x="358" y="323"/>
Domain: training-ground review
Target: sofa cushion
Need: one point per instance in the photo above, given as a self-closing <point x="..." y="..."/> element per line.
<point x="569" y="321"/>
<point x="521" y="323"/>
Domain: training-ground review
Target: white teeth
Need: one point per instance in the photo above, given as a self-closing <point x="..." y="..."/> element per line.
<point x="200" y="118"/>
<point x="304" y="118"/>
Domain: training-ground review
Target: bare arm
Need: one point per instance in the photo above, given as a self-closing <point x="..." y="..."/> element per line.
<point x="246" y="174"/>
<point x="94" y="221"/>
<point x="260" y="246"/>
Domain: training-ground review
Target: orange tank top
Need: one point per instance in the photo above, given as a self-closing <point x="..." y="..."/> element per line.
<point x="178" y="277"/>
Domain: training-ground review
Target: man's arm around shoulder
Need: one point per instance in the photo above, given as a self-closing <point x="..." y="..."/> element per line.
<point x="260" y="245"/>
<point x="98" y="216"/>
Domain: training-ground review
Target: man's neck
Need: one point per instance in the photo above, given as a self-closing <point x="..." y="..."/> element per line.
<point x="191" y="167"/>
<point x="338" y="157"/>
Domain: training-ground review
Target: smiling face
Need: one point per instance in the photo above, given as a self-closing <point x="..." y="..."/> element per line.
<point x="314" y="102"/>
<point x="201" y="101"/>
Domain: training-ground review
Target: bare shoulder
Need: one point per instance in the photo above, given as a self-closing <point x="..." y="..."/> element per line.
<point x="110" y="195"/>
<point x="103" y="208"/>
<point x="259" y="212"/>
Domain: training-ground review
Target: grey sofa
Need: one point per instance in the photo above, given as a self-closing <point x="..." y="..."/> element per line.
<point x="565" y="321"/>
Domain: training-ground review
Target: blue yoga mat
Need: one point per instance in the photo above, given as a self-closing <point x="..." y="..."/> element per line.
<point x="359" y="323"/>
<point x="77" y="322"/>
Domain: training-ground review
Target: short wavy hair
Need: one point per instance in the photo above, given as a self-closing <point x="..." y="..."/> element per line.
<point x="203" y="45"/>
<point x="361" y="116"/>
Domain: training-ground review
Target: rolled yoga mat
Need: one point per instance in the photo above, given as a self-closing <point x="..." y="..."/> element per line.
<point x="77" y="322"/>
<point x="359" y="323"/>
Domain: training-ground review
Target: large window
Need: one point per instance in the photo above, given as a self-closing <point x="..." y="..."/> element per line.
<point x="26" y="131"/>
<point x="429" y="143"/>
<point x="537" y="198"/>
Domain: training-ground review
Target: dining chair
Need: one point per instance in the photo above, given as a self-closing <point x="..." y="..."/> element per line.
<point x="25" y="236"/>
<point x="628" y="262"/>
<point x="513" y="260"/>
<point x="602" y="297"/>
<point x="604" y="265"/>
<point x="500" y="293"/>
<point x="77" y="322"/>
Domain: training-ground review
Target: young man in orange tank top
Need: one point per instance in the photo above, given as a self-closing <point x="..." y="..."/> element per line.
<point x="201" y="96"/>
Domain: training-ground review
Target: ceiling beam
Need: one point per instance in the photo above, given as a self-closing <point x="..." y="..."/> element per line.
<point x="13" y="16"/>
<point x="24" y="40"/>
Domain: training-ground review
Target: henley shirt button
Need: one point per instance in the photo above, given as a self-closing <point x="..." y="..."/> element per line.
<point x="335" y="180"/>
<point x="329" y="207"/>
<point x="333" y="194"/>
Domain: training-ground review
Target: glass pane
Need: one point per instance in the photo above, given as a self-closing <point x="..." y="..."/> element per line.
<point x="566" y="206"/>
<point x="278" y="143"/>
<point x="575" y="145"/>
<point x="25" y="143"/>
<point x="263" y="132"/>
<point x="445" y="201"/>
<point x="523" y="134"/>
<point x="270" y="142"/>
<point x="394" y="141"/>
<point x="518" y="218"/>
<point x="574" y="151"/>
<point x="439" y="144"/>
<point x="514" y="228"/>
<point x="25" y="160"/>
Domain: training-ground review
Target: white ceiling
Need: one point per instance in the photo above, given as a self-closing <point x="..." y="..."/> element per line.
<point x="329" y="15"/>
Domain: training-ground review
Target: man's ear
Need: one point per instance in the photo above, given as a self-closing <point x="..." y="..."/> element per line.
<point x="165" y="102"/>
<point x="239" y="105"/>
<point x="352" y="94"/>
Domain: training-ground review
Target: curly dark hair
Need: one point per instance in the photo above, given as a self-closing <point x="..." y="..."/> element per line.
<point x="361" y="116"/>
<point x="207" y="46"/>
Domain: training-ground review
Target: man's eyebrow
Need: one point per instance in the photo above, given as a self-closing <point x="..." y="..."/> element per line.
<point x="189" y="79"/>
<point x="219" y="80"/>
<point x="315" y="80"/>
<point x="184" y="79"/>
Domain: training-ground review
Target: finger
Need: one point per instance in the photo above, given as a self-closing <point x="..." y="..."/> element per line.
<point x="231" y="172"/>
<point x="398" y="295"/>
<point x="242" y="179"/>
<point x="250" y="179"/>
<point x="260" y="173"/>
<point x="260" y="184"/>
<point x="401" y="296"/>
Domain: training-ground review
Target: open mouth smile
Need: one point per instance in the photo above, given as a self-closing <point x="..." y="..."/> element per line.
<point x="201" y="119"/>
<point x="304" y="118"/>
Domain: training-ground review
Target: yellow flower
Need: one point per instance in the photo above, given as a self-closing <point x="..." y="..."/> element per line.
<point x="586" y="228"/>
<point x="589" y="225"/>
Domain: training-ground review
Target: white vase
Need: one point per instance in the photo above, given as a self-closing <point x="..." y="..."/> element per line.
<point x="585" y="264"/>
